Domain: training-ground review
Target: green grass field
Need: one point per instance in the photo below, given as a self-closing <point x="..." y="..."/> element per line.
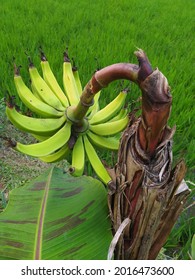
<point x="99" y="33"/>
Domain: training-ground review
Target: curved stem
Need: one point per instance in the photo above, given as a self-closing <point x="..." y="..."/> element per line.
<point x="156" y="98"/>
<point x="105" y="76"/>
<point x="101" y="79"/>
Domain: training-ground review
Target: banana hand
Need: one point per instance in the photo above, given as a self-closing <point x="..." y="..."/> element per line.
<point x="54" y="132"/>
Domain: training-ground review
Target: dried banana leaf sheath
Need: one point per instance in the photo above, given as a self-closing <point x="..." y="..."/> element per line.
<point x="149" y="192"/>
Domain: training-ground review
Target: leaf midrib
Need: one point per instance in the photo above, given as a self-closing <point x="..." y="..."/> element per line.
<point x="40" y="221"/>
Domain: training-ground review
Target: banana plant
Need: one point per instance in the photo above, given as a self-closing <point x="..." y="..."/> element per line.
<point x="145" y="194"/>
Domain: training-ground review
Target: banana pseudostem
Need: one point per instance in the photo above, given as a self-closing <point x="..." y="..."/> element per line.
<point x="149" y="194"/>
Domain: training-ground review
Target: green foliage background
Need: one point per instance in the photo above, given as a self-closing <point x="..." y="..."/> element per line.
<point x="99" y="33"/>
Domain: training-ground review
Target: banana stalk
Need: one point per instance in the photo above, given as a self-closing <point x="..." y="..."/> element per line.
<point x="100" y="80"/>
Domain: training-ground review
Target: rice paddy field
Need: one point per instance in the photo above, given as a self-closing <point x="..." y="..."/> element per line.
<point x="99" y="33"/>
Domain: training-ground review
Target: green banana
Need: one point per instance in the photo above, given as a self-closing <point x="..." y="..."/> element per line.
<point x="40" y="138"/>
<point x="78" y="158"/>
<point x="108" y="128"/>
<point x="110" y="110"/>
<point x="123" y="112"/>
<point x="95" y="107"/>
<point x="70" y="86"/>
<point x="77" y="80"/>
<point x="32" y="102"/>
<point x="35" y="92"/>
<point x="48" y="146"/>
<point x="34" y="125"/>
<point x="60" y="154"/>
<point x="43" y="90"/>
<point x="111" y="143"/>
<point x="96" y="162"/>
<point x="52" y="82"/>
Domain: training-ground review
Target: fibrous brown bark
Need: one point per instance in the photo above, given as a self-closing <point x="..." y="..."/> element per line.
<point x="149" y="193"/>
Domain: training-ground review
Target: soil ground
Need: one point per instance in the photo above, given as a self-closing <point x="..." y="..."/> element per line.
<point x="15" y="168"/>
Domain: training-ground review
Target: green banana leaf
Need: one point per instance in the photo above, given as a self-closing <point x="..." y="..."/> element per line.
<point x="56" y="217"/>
<point x="193" y="247"/>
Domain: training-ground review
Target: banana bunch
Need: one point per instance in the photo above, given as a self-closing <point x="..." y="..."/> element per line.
<point x="56" y="136"/>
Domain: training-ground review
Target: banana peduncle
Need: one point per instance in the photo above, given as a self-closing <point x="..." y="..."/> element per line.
<point x="156" y="97"/>
<point x="102" y="78"/>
